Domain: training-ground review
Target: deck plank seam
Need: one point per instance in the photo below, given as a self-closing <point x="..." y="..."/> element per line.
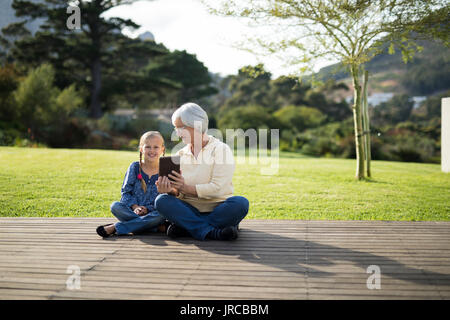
<point x="83" y="273"/>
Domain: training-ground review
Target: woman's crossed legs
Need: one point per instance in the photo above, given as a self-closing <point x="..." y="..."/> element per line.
<point x="199" y="224"/>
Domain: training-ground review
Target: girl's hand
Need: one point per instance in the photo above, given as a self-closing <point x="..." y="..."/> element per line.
<point x="174" y="192"/>
<point x="163" y="185"/>
<point x="177" y="181"/>
<point x="140" y="210"/>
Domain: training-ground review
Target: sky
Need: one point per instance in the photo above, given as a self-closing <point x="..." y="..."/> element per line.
<point x="186" y="25"/>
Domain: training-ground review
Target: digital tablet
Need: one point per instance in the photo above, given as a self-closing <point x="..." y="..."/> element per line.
<point x="167" y="164"/>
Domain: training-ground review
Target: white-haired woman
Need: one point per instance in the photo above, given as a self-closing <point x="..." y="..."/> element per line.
<point x="199" y="201"/>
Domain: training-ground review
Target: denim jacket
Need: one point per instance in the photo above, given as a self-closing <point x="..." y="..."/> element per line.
<point x="132" y="192"/>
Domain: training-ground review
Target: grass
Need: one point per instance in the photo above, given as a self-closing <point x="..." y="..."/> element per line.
<point x="83" y="183"/>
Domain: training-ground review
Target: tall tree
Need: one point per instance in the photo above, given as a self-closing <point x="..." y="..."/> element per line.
<point x="96" y="54"/>
<point x="190" y="76"/>
<point x="352" y="31"/>
<point x="250" y="86"/>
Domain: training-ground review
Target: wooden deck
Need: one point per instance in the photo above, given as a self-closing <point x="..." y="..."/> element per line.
<point x="272" y="259"/>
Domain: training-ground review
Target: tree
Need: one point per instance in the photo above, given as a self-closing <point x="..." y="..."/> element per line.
<point x="96" y="54"/>
<point x="287" y="90"/>
<point x="190" y="76"/>
<point x="352" y="31"/>
<point x="251" y="86"/>
<point x="430" y="108"/>
<point x="396" y="110"/>
<point x="428" y="76"/>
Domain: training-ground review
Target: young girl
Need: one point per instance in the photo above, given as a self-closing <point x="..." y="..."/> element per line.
<point x="135" y="210"/>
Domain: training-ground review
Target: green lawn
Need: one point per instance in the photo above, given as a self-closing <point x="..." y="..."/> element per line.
<point x="64" y="182"/>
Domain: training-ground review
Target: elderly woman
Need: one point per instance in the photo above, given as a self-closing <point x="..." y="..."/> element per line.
<point x="199" y="201"/>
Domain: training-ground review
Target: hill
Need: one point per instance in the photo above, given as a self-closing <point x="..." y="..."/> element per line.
<point x="428" y="73"/>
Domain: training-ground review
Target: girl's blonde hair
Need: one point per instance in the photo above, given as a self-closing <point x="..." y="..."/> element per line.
<point x="144" y="137"/>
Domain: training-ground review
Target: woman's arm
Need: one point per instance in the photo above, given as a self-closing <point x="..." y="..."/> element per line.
<point x="222" y="174"/>
<point x="179" y="185"/>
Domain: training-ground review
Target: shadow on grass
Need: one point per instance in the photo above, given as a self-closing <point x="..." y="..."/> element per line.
<point x="371" y="180"/>
<point x="306" y="257"/>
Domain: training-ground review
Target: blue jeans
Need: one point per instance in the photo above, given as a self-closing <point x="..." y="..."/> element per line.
<point x="131" y="222"/>
<point x="198" y="224"/>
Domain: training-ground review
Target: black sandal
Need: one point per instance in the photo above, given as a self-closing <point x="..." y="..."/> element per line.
<point x="102" y="232"/>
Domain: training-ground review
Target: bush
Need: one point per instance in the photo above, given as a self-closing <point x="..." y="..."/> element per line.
<point x="134" y="127"/>
<point x="70" y="133"/>
<point x="8" y="136"/>
<point x="45" y="110"/>
<point x="412" y="148"/>
<point x="19" y="142"/>
<point x="299" y="118"/>
<point x="248" y="117"/>
<point x="9" y="80"/>
<point x="396" y="110"/>
<point x="335" y="139"/>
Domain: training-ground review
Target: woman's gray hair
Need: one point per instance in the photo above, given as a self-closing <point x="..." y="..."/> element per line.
<point x="190" y="114"/>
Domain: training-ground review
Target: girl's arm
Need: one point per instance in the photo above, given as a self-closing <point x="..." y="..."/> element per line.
<point x="127" y="190"/>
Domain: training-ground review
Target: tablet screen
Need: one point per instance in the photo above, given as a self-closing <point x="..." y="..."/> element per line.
<point x="167" y="164"/>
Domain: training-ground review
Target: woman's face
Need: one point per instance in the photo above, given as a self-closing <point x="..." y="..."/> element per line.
<point x="185" y="133"/>
<point x="152" y="149"/>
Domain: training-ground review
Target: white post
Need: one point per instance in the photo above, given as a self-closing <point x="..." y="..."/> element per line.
<point x="445" y="135"/>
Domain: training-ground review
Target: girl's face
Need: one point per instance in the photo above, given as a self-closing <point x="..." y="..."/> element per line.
<point x="152" y="149"/>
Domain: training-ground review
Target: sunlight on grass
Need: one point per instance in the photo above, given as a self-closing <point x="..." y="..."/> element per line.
<point x="63" y="182"/>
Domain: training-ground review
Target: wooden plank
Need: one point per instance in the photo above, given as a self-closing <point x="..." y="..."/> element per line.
<point x="307" y="257"/>
<point x="138" y="247"/>
<point x="244" y="243"/>
<point x="18" y="294"/>
<point x="255" y="282"/>
<point x="272" y="259"/>
<point x="292" y="227"/>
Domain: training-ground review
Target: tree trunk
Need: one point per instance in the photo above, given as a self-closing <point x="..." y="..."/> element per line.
<point x="96" y="110"/>
<point x="366" y="125"/>
<point x="357" y="119"/>
<point x="96" y="69"/>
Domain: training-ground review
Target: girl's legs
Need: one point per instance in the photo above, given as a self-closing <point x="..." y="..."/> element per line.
<point x="131" y="222"/>
<point x="150" y="221"/>
<point x="122" y="212"/>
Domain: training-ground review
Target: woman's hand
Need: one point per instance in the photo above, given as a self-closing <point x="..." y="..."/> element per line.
<point x="163" y="185"/>
<point x="177" y="181"/>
